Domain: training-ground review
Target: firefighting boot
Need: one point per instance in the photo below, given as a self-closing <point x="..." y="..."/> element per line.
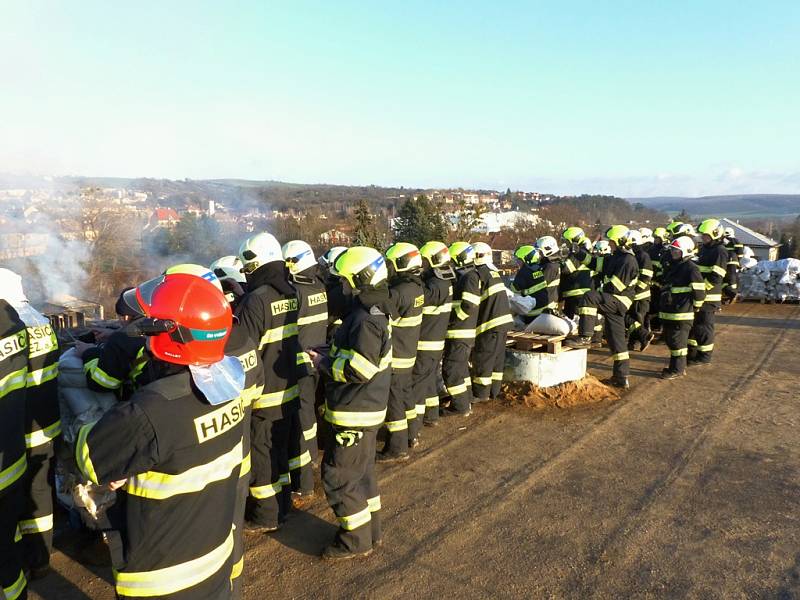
<point x="336" y="552"/>
<point x="578" y="342"/>
<point x="617" y="382"/>
<point x="667" y="373"/>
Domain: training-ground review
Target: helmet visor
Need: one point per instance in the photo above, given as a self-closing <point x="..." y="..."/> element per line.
<point x="139" y="299"/>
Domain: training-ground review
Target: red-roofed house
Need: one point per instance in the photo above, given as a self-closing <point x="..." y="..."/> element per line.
<point x="163" y="217"/>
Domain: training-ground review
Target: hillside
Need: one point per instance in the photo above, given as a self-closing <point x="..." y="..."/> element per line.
<point x="738" y="206"/>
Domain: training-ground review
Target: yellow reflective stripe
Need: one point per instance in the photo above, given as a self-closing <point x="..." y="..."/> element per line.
<point x="482" y="380"/>
<point x="160" y="486"/>
<point x="575" y="292"/>
<point x="411" y="414"/>
<point x="621" y="356"/>
<point x="430" y="346"/>
<point x="617" y="283"/>
<point x="460" y="334"/>
<point x="13" y="381"/>
<point x="540" y="309"/>
<point x="42" y="436"/>
<point x="99" y="376"/>
<point x="408" y="321"/>
<point x="360" y="364"/>
<point x="461" y="388"/>
<point x="169" y="580"/>
<point x="17" y="535"/>
<point x="684" y="289"/>
<point x="82" y="457"/>
<point x="309" y="319"/>
<point x="471" y="298"/>
<point x="394" y="426"/>
<point x="679" y="352"/>
<point x="437" y="310"/>
<point x="625" y="300"/>
<point x="692" y="342"/>
<point x="534" y="288"/>
<point x="247" y="465"/>
<point x="260" y="492"/>
<point x="493" y="323"/>
<point x="646" y="272"/>
<point x="493" y="289"/>
<point x="699" y="285"/>
<point x="374" y="504"/>
<point x="713" y="297"/>
<point x="419" y="409"/>
<point x="698" y="303"/>
<point x="706" y="348"/>
<point x="303" y="358"/>
<point x="277" y="334"/>
<point x="38" y="525"/>
<point x="42" y="375"/>
<point x="10" y="474"/>
<point x="460" y="313"/>
<point x="272" y="399"/>
<point x="285" y="479"/>
<point x="297" y="462"/>
<point x="642" y="295"/>
<point x="555" y="283"/>
<point x="685" y="316"/>
<point x="432" y="402"/>
<point x="337" y="369"/>
<point x="354" y="418"/>
<point x="497" y="376"/>
<point x="250" y="394"/>
<point x="403" y="363"/>
<point x="238" y="567"/>
<point x="355" y="521"/>
<point x="310" y="433"/>
<point x="14" y="591"/>
<point x="587" y="310"/>
<point x="719" y="270"/>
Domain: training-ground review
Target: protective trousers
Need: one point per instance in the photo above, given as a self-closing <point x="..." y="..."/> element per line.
<point x="400" y="412"/>
<point x="488" y="361"/>
<point x="571" y="305"/>
<point x="12" y="578"/>
<point x="242" y="490"/>
<point x="701" y="337"/>
<point x="676" y="336"/>
<point x="303" y="438"/>
<point x="270" y="492"/>
<point x="348" y="476"/>
<point x="653" y="320"/>
<point x="613" y="310"/>
<point x="424" y="388"/>
<point x="455" y="372"/>
<point x="638" y="329"/>
<point x="36" y="520"/>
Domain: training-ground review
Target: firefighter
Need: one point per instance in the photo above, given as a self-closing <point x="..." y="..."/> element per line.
<point x="672" y="228"/>
<point x="601" y="249"/>
<point x="338" y="303"/>
<point x="268" y="312"/>
<point x="228" y="270"/>
<point x="407" y="298"/>
<point x="712" y="260"/>
<point x="313" y="324"/>
<point x="576" y="278"/>
<point x="658" y="252"/>
<point x="638" y="326"/>
<point x="13" y="456"/>
<point x="42" y="427"/>
<point x="174" y="451"/>
<point x="437" y="277"/>
<point x="494" y="320"/>
<point x="527" y="256"/>
<point x="683" y="291"/>
<point x="358" y="376"/>
<point x="460" y="337"/>
<point x="545" y="279"/>
<point x="613" y="300"/>
<point x="735" y="250"/>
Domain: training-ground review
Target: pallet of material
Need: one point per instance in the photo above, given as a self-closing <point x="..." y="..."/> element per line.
<point x="521" y="340"/>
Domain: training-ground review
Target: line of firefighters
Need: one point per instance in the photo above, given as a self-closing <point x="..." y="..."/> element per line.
<point x="220" y="373"/>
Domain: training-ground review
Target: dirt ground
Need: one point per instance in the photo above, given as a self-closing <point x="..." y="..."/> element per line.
<point x="689" y="488"/>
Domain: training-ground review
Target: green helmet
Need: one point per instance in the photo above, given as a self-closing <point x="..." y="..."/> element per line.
<point x="618" y="234"/>
<point x="436" y="254"/>
<point x="673" y="226"/>
<point x="528" y="254"/>
<point x="405" y="257"/>
<point x="462" y="253"/>
<point x="712" y="228"/>
<point x="661" y="233"/>
<point x="362" y="267"/>
<point x="574" y="235"/>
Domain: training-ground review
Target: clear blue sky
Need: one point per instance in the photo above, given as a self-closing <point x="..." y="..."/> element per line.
<point x="632" y="98"/>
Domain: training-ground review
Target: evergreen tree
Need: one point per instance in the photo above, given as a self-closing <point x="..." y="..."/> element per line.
<point x="366" y="232"/>
<point x="419" y="221"/>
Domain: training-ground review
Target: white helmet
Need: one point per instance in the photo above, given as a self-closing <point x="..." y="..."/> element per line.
<point x="11" y="287"/>
<point x="229" y="267"/>
<point x="685" y="229"/>
<point x="602" y="247"/>
<point x="729" y="232"/>
<point x="483" y="253"/>
<point x="328" y="260"/>
<point x="647" y="235"/>
<point x="684" y="244"/>
<point x="259" y="250"/>
<point x="547" y="246"/>
<point x="634" y="238"/>
<point x="747" y="252"/>
<point x="298" y="256"/>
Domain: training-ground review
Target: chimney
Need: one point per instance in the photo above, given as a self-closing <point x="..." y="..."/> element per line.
<point x="211" y="208"/>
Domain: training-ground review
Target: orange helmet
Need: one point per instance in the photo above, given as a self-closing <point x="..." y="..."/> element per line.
<point x="189" y="319"/>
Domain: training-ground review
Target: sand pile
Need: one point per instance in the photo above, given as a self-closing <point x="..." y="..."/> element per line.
<point x="588" y="390"/>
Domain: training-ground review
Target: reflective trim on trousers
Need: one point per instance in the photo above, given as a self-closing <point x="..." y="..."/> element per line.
<point x="432" y="402"/>
<point x="238" y="567"/>
<point x="374" y="504"/>
<point x="14" y="591"/>
<point x="260" y="492"/>
<point x="679" y="352"/>
<point x="37" y="525"/>
<point x="411" y="414"/>
<point x="310" y="433"/>
<point x="419" y="409"/>
<point x="297" y="462"/>
<point x="482" y="380"/>
<point x="621" y="356"/>
<point x="355" y="521"/>
<point x="394" y="426"/>
<point x="590" y="311"/>
<point x="41" y="436"/>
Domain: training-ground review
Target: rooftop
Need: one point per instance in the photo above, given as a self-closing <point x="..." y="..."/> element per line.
<point x="747" y="236"/>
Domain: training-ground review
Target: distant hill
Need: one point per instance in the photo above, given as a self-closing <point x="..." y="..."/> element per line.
<point x="744" y="206"/>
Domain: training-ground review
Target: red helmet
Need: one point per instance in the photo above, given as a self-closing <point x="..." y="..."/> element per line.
<point x="193" y="317"/>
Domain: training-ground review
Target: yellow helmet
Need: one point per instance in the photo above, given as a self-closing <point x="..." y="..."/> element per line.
<point x="712" y="228"/>
<point x="436" y="254"/>
<point x="618" y="234"/>
<point x="462" y="253"/>
<point x="661" y="233"/>
<point x="362" y="267"/>
<point x="574" y="235"/>
<point x="196" y="270"/>
<point x="405" y="257"/>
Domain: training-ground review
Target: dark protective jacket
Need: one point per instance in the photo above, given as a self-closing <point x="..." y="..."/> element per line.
<point x="645" y="264"/>
<point x="735" y="248"/>
<point x="358" y="368"/>
<point x="494" y="313"/>
<point x="13" y="376"/>
<point x="181" y="457"/>
<point x="407" y="297"/>
<point x="466" y="301"/>
<point x="269" y="314"/>
<point x="312" y="317"/>
<point x="712" y="260"/>
<point x="115" y="365"/>
<point x="576" y="278"/>
<point x="438" y="295"/>
<point x="620" y="273"/>
<point x="683" y="291"/>
<point x="541" y="282"/>
<point x="656" y="253"/>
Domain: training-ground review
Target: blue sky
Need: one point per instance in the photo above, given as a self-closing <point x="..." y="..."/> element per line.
<point x="632" y="98"/>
